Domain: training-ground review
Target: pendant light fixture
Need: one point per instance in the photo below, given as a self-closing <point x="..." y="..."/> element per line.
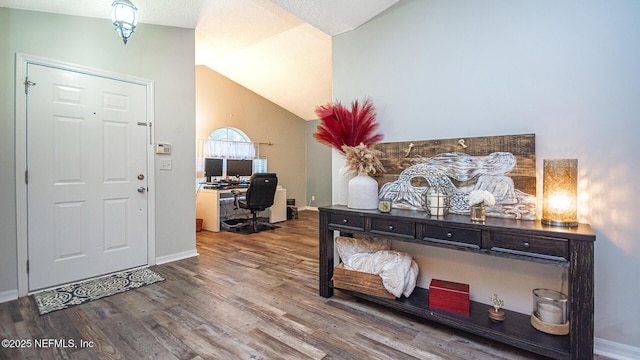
<point x="125" y="18"/>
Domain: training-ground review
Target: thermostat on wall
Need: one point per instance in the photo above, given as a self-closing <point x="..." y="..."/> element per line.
<point x="163" y="149"/>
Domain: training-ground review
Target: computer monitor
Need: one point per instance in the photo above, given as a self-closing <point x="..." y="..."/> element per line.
<point x="239" y="167"/>
<point x="212" y="168"/>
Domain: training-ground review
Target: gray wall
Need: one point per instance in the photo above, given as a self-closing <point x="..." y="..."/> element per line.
<point x="318" y="168"/>
<point x="568" y="71"/>
<point x="163" y="54"/>
<point x="8" y="245"/>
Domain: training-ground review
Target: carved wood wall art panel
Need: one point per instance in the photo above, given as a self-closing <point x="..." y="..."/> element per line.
<point x="502" y="165"/>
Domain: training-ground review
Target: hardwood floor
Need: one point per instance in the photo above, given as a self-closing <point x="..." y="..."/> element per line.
<point x="245" y="297"/>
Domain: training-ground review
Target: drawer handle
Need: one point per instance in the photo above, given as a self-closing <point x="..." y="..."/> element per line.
<point x="526" y="244"/>
<point x="449" y="235"/>
<point x="390" y="227"/>
<point x="344" y="221"/>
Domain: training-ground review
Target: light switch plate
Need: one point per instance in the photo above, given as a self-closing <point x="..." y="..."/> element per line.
<point x="165" y="164"/>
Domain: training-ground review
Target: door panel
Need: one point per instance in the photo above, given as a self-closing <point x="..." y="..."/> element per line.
<point x="85" y="151"/>
<point x="67" y="236"/>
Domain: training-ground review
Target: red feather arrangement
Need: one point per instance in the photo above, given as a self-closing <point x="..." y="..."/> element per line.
<point x="339" y="126"/>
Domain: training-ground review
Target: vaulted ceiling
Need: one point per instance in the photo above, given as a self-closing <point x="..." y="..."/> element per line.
<point x="279" y="49"/>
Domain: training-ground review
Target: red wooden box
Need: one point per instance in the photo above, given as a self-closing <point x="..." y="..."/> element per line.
<point x="449" y="296"/>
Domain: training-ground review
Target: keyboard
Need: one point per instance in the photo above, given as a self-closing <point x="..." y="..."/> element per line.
<point x="225" y="186"/>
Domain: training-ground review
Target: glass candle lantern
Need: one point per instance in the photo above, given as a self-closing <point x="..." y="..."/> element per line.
<point x="550" y="306"/>
<point x="437" y="200"/>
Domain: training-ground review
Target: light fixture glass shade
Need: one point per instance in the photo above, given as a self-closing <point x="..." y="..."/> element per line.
<point x="560" y="192"/>
<point x="125" y="18"/>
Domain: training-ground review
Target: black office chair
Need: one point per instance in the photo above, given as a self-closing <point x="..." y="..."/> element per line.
<point x="259" y="197"/>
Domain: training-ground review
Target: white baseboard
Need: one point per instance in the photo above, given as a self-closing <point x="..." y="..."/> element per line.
<point x="312" y="208"/>
<point x="177" y="256"/>
<point x="9" y="295"/>
<point x="615" y="350"/>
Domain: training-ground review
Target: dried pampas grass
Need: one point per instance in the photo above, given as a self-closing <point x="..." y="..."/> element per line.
<point x="363" y="159"/>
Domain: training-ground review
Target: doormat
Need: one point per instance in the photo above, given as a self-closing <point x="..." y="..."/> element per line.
<point x="76" y="294"/>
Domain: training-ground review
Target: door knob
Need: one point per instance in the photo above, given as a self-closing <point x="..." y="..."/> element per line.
<point x="141" y="189"/>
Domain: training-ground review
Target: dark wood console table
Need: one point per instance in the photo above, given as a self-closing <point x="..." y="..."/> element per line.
<point x="571" y="248"/>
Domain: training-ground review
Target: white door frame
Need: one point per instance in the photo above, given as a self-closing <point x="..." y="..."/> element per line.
<point x="22" y="60"/>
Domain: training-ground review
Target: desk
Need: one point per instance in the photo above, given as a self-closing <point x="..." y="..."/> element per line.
<point x="208" y="206"/>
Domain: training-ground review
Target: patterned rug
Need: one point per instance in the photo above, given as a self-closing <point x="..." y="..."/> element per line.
<point x="76" y="294"/>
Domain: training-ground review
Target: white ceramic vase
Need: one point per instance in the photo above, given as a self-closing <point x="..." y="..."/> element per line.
<point x="344" y="175"/>
<point x="363" y="192"/>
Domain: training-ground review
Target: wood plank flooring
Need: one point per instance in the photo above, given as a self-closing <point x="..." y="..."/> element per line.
<point x="245" y="297"/>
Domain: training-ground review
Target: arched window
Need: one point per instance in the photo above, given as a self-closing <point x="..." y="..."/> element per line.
<point x="229" y="134"/>
<point x="230" y="143"/>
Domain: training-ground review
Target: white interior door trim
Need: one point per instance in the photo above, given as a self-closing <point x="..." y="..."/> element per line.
<point x="22" y="60"/>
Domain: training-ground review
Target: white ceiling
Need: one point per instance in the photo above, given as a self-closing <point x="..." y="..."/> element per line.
<point x="280" y="49"/>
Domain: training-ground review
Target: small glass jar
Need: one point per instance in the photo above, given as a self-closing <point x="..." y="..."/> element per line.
<point x="550" y="306"/>
<point x="384" y="205"/>
<point x="477" y="213"/>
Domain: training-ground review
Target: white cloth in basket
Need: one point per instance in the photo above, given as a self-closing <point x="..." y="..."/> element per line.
<point x="397" y="269"/>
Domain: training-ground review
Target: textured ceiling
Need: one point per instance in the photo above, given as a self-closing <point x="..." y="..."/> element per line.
<point x="280" y="49"/>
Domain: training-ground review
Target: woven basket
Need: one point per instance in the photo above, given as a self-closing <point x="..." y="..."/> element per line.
<point x="370" y="284"/>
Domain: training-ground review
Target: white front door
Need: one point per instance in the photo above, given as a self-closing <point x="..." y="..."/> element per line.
<point x="87" y="176"/>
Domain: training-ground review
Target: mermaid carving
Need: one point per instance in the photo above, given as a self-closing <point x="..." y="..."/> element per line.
<point x="476" y="172"/>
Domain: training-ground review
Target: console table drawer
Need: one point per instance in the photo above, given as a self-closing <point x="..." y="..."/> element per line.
<point x="405" y="229"/>
<point x="348" y="221"/>
<point x="453" y="236"/>
<point x="535" y="246"/>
